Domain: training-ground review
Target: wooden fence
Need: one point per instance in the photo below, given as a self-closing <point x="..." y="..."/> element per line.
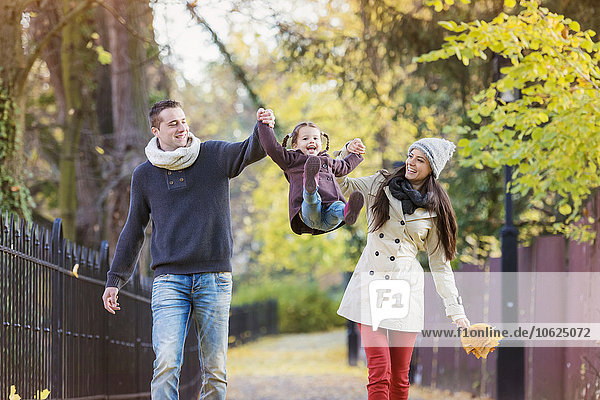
<point x="551" y="373"/>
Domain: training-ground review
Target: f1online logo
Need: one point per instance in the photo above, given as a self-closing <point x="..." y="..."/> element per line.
<point x="388" y="299"/>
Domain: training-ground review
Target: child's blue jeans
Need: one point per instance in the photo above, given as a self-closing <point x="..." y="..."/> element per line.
<point x="315" y="216"/>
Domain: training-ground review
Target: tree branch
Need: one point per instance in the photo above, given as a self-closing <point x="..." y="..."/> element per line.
<point x="237" y="69"/>
<point x="24" y="72"/>
<point x="122" y="21"/>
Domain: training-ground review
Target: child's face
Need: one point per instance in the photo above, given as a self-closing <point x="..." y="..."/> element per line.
<point x="308" y="141"/>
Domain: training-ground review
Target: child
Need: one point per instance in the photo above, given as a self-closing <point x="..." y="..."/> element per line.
<point x="316" y="203"/>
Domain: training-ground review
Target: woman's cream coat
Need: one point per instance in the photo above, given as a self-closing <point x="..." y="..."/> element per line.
<point x="390" y="254"/>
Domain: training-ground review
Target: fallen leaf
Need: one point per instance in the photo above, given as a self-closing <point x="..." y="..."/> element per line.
<point x="480" y="339"/>
<point x="13" y="393"/>
<point x="75" y="268"/>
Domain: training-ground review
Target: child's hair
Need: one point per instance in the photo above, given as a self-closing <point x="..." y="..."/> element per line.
<point x="294" y="134"/>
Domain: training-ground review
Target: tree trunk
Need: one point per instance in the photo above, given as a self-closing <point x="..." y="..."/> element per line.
<point x="129" y="105"/>
<point x="72" y="73"/>
<point x="14" y="196"/>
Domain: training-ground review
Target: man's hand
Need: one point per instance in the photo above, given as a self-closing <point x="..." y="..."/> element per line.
<point x="109" y="298"/>
<point x="356" y="146"/>
<point x="266" y="116"/>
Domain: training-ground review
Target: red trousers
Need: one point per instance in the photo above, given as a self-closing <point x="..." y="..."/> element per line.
<point x="388" y="359"/>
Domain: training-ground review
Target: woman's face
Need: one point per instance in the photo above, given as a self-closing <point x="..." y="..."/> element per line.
<point x="417" y="166"/>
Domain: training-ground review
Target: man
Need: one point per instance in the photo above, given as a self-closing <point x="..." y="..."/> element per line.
<point x="184" y="189"/>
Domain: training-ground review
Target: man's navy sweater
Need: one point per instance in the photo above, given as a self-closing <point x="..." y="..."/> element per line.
<point x="190" y="212"/>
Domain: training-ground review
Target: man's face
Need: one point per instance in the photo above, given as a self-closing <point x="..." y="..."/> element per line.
<point x="173" y="131"/>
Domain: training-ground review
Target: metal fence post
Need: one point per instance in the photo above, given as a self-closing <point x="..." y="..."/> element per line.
<point x="353" y="343"/>
<point x="56" y="249"/>
<point x="353" y="337"/>
<point x="104" y="265"/>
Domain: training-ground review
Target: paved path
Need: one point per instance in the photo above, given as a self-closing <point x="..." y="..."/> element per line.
<point x="304" y="367"/>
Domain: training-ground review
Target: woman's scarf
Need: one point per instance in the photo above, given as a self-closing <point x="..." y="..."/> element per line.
<point x="410" y="198"/>
<point x="180" y="158"/>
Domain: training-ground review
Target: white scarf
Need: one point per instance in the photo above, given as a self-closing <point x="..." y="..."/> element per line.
<point x="180" y="158"/>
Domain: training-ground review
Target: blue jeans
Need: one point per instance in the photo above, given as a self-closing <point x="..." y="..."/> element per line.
<point x="315" y="216"/>
<point x="178" y="301"/>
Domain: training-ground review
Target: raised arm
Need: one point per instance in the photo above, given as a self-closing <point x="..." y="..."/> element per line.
<point x="235" y="156"/>
<point x="349" y="185"/>
<point x="278" y="154"/>
<point x="347" y="165"/>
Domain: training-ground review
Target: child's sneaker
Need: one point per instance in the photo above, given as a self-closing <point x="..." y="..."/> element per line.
<point x="311" y="173"/>
<point x="353" y="207"/>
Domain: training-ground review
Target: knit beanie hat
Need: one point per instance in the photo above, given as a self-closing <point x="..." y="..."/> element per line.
<point x="437" y="151"/>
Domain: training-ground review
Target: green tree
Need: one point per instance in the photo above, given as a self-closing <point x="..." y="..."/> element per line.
<point x="363" y="51"/>
<point x="16" y="60"/>
<point x="551" y="135"/>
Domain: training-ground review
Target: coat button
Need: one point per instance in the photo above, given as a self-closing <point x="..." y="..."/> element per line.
<point x="328" y="178"/>
<point x="381" y="235"/>
<point x="371" y="272"/>
<point x="180" y="179"/>
<point x="171" y="182"/>
<point x="397" y="240"/>
<point x="402" y="222"/>
<point x="392" y="258"/>
<point x="387" y="277"/>
<point x="324" y="165"/>
<point x="169" y="173"/>
<point x="376" y="253"/>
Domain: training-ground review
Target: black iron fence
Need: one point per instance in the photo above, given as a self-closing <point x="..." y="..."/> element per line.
<point x="56" y="335"/>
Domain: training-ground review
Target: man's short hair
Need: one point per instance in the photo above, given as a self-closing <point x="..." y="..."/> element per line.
<point x="158" y="107"/>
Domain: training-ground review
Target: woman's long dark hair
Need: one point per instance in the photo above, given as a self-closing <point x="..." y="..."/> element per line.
<point x="438" y="201"/>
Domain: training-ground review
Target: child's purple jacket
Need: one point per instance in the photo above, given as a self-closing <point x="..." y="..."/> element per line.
<point x="292" y="163"/>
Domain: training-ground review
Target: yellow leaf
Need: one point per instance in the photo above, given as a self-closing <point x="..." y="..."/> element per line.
<point x="104" y="57"/>
<point x="574" y="25"/>
<point x="44" y="395"/>
<point x="75" y="269"/>
<point x="481" y="339"/>
<point x="463" y="142"/>
<point x="565" y="209"/>
<point x="13" y="393"/>
<point x="99" y="149"/>
<point x="448" y="25"/>
<point x="510" y="3"/>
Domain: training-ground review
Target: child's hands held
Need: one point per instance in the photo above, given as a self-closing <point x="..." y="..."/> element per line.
<point x="356" y="146"/>
<point x="266" y="116"/>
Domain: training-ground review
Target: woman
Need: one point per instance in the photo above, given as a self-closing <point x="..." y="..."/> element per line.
<point x="407" y="211"/>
